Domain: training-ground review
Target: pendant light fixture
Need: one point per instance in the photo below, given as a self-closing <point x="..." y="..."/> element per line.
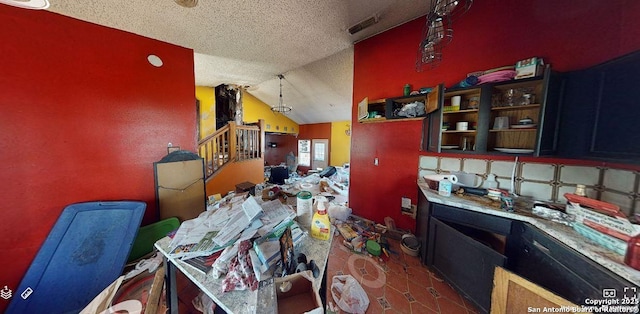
<point x="281" y="107"/>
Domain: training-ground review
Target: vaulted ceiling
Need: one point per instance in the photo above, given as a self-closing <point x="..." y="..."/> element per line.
<point x="248" y="43"/>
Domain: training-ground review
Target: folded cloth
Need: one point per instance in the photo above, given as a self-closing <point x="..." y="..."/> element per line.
<point x="497" y="76"/>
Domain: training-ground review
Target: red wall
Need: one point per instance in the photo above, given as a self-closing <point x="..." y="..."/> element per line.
<point x="285" y="143"/>
<point x="84" y="116"/>
<point x="567" y="34"/>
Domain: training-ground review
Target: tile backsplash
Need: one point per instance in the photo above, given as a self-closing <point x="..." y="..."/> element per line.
<point x="547" y="181"/>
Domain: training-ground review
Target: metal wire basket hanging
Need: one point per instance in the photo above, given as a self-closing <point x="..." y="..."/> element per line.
<point x="438" y="31"/>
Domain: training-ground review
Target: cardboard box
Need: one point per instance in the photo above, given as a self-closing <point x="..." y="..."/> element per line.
<point x="529" y="68"/>
<point x="301" y="296"/>
<point x="601" y="216"/>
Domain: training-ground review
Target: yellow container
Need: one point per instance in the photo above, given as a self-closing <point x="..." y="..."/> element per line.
<point x="320" y="225"/>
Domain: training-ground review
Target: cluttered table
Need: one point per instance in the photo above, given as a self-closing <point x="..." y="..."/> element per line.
<point x="560" y="232"/>
<point x="247" y="231"/>
<point x="240" y="301"/>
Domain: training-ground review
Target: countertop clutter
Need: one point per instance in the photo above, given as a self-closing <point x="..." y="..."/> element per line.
<point x="564" y="234"/>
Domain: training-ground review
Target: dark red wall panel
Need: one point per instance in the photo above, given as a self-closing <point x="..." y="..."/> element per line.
<point x="567" y="34"/>
<point x="84" y="116"/>
<point x="285" y="143"/>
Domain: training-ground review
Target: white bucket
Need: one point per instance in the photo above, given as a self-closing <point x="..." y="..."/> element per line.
<point x="304" y="208"/>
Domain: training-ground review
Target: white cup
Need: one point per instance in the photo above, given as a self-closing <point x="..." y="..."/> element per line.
<point x="455" y="101"/>
<point x="462" y="126"/>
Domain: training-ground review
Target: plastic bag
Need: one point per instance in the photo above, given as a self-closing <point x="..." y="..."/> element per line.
<point x="348" y="294"/>
<point x="339" y="212"/>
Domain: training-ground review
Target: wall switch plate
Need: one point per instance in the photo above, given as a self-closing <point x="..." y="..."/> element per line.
<point x="375" y="161"/>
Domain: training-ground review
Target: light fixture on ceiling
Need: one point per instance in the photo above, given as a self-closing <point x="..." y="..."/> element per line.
<point x="281" y="107"/>
<point x="187" y="3"/>
<point x="28" y="4"/>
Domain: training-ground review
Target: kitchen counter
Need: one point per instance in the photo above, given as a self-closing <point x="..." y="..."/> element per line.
<point x="560" y="232"/>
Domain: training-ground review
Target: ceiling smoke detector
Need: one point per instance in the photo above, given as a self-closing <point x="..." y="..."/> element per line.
<point x="187" y="3"/>
<point x="364" y="24"/>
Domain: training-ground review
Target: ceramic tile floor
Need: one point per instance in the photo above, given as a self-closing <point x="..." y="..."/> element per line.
<point x="400" y="284"/>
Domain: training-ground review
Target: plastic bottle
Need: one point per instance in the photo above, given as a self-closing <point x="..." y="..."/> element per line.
<point x="407" y="90"/>
<point x="320" y="225"/>
<point x="304" y="208"/>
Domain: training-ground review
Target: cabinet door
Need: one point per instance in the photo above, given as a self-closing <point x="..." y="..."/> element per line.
<point x="467" y="264"/>
<point x="558" y="268"/>
<point x="617" y="111"/>
<point x="600" y="111"/>
<point x="422" y="224"/>
<point x="431" y="125"/>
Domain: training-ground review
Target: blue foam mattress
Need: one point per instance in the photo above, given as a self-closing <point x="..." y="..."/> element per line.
<point x="85" y="252"/>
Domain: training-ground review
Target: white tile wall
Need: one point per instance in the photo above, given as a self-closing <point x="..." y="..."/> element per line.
<point x="502" y="168"/>
<point x="622" y="200"/>
<point x="450" y="164"/>
<point x="477" y="166"/>
<point x="588" y="176"/>
<point x="539" y="191"/>
<point x="428" y="162"/>
<point x="620" y="180"/>
<point x="547" y="181"/>
<point x="539" y="172"/>
<point x="424" y="172"/>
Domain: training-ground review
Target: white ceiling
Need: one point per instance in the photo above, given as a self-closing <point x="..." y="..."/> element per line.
<point x="250" y="42"/>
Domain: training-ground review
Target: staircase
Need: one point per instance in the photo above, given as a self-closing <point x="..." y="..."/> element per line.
<point x="231" y="143"/>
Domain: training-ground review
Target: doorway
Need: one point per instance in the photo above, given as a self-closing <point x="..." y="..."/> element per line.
<point x="320" y="153"/>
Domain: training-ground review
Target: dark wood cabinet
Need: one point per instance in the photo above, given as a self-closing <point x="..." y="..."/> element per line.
<point x="600" y="107"/>
<point x="536" y="98"/>
<point x="556" y="267"/>
<point x="422" y="224"/>
<point x="464" y="247"/>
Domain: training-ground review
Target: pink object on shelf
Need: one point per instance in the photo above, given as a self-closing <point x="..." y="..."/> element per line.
<point x="497" y="76"/>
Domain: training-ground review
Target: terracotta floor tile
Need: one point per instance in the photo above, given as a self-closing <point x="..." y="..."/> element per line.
<point x="470" y="307"/>
<point x="423" y="296"/>
<point x="394" y="266"/>
<point x="397" y="300"/>
<point x="374" y="307"/>
<point x="446" y="291"/>
<point x="398" y="282"/>
<point x="449" y="307"/>
<point x="419" y="276"/>
<point x="417" y="307"/>
<point x="412" y="261"/>
<point x="375" y="291"/>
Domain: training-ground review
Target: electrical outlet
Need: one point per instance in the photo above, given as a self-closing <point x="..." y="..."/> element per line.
<point x="375" y="161"/>
<point x="410" y="212"/>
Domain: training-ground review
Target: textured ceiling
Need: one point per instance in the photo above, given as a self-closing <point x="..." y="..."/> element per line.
<point x="249" y="43"/>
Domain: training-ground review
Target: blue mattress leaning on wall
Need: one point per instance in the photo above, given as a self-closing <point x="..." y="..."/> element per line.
<point x="85" y="252"/>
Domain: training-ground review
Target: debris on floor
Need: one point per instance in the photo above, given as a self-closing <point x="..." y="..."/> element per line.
<point x="363" y="236"/>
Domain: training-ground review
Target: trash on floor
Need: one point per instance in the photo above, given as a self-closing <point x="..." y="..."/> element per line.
<point x="348" y="294"/>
